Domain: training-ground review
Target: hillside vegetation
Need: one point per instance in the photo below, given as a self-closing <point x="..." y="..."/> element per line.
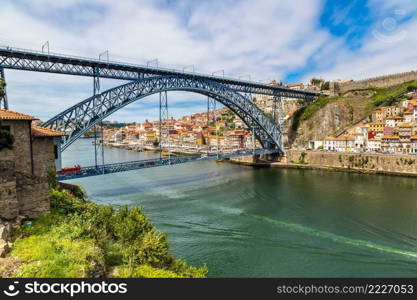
<point x="83" y="239"/>
<point x="331" y="116"/>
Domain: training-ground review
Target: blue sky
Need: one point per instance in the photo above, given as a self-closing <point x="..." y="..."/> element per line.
<point x="285" y="40"/>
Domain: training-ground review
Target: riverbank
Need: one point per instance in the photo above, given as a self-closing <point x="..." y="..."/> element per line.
<point x="174" y="149"/>
<point x="79" y="238"/>
<point x="385" y="164"/>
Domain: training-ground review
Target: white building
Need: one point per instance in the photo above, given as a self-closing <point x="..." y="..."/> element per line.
<point x="360" y="141"/>
<point x="374" y="145"/>
<point x="413" y="145"/>
<point x="315" y="145"/>
<point x="408" y="117"/>
<point x="394" y="121"/>
<point x="339" y="144"/>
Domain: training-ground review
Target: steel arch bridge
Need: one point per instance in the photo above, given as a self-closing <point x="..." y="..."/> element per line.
<point x="146" y="80"/>
<point x="78" y="119"/>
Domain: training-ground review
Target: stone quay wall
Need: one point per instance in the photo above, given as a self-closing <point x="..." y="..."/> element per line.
<point x="367" y="163"/>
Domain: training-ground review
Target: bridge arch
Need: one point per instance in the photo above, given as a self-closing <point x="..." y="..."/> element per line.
<point x="78" y="119"/>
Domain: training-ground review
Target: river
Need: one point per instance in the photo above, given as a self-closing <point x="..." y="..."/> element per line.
<point x="247" y="222"/>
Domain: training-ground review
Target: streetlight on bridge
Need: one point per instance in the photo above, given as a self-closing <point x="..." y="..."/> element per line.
<point x="105" y="53"/>
<point x="186" y="67"/>
<point x="152" y="61"/>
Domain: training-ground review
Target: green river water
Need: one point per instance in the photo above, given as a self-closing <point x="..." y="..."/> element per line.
<point x="248" y="222"/>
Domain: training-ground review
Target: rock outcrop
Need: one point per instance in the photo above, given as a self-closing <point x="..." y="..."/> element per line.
<point x="333" y="119"/>
<point x="5" y="244"/>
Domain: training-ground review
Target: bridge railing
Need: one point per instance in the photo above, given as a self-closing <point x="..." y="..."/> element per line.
<point x="157" y="162"/>
<point x="147" y="68"/>
<point x="23" y="50"/>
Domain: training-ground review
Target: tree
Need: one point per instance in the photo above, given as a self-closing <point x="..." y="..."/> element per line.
<point x="6" y="138"/>
<point x="2" y="85"/>
<point x="317" y="82"/>
<point x="325" y="86"/>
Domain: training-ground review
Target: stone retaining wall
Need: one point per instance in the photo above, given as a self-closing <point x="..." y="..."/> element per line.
<point x="375" y="163"/>
<point x="382" y="81"/>
<point x="9" y="206"/>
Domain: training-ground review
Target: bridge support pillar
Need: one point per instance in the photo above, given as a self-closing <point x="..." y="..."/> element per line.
<point x="3" y="95"/>
<point x="164" y="135"/>
<point x="211" y="118"/>
<point x="98" y="144"/>
<point x="278" y="110"/>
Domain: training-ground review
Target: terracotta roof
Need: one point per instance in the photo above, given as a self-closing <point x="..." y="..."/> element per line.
<point x="340" y="138"/>
<point x="414" y="137"/>
<point x="294" y="85"/>
<point x="391" y="137"/>
<point x="12" y="115"/>
<point x="345" y="138"/>
<point x="45" y="132"/>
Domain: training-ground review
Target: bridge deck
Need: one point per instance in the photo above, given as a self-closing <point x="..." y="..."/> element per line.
<point x="152" y="163"/>
<point x="29" y="60"/>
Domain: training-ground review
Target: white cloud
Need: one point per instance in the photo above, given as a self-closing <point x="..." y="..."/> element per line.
<point x="388" y="46"/>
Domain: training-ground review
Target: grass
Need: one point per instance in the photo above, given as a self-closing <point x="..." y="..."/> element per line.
<point x="83" y="239"/>
<point x="390" y="96"/>
<point x="314" y="107"/>
<point x="306" y="112"/>
<point x="56" y="254"/>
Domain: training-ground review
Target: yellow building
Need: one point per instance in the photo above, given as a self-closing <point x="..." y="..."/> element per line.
<point x="150" y="136"/>
<point x="376" y="126"/>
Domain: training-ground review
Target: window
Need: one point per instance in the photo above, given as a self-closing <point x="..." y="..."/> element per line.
<point x="56" y="151"/>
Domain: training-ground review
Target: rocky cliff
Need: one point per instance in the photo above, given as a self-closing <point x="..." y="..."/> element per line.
<point x="333" y="116"/>
<point x="329" y="118"/>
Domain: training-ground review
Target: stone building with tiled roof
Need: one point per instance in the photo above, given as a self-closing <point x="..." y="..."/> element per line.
<point x="24" y="168"/>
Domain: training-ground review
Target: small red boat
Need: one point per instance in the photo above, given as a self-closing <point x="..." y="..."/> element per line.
<point x="70" y="169"/>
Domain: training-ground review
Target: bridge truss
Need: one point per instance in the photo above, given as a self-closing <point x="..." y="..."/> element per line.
<point x="78" y="119"/>
<point x="236" y="94"/>
<point x="157" y="162"/>
<point x="29" y="60"/>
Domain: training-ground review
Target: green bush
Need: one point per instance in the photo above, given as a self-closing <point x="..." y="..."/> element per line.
<point x="6" y="139"/>
<point x="390" y="96"/>
<point x="146" y="271"/>
<point x="62" y="203"/>
<point x="315" y="106"/>
<point x="83" y="239"/>
<point x="129" y="224"/>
